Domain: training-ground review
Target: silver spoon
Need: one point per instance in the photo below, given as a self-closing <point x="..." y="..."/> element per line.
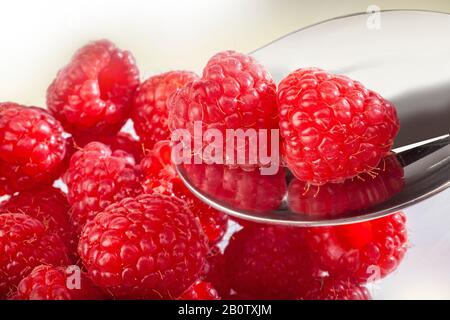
<point x="406" y="60"/>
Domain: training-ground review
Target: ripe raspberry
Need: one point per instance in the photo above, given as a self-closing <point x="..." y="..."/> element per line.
<point x="24" y="244"/>
<point x="274" y="262"/>
<point x="238" y="188"/>
<point x="98" y="177"/>
<point x="150" y="113"/>
<point x="335" y="289"/>
<point x="200" y="290"/>
<point x="161" y="177"/>
<point x="267" y="262"/>
<point x="150" y="246"/>
<point x="333" y="128"/>
<point x="32" y="147"/>
<point x="362" y="251"/>
<point x="92" y="95"/>
<point x="48" y="205"/>
<point x="54" y="283"/>
<point x="235" y="92"/>
<point x="334" y="199"/>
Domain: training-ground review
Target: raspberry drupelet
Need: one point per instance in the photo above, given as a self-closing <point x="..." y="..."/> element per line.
<point x="200" y="290"/>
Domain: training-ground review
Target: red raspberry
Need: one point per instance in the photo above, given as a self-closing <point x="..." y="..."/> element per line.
<point x="333" y="128"/>
<point x="267" y="262"/>
<point x="200" y="290"/>
<point x="54" y="283"/>
<point x="24" y="244"/>
<point x="161" y="177"/>
<point x="235" y="92"/>
<point x="150" y="246"/>
<point x="274" y="262"/>
<point x="32" y="147"/>
<point x="334" y="199"/>
<point x="335" y="289"/>
<point x="150" y="113"/>
<point x="49" y="205"/>
<point x="98" y="177"/>
<point x="92" y="95"/>
<point x="362" y="251"/>
<point x="238" y="188"/>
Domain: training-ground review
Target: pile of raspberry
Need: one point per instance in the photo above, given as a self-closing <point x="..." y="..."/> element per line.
<point x="89" y="211"/>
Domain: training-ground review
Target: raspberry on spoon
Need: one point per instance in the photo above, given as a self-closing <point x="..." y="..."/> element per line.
<point x="333" y="128"/>
<point x="235" y="92"/>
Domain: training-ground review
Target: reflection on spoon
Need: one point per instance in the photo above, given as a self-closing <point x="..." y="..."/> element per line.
<point x="338" y="199"/>
<point x="244" y="190"/>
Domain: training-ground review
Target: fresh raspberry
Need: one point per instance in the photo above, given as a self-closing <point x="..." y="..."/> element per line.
<point x="362" y="251"/>
<point x="160" y="176"/>
<point x="24" y="244"/>
<point x="92" y="95"/>
<point x="48" y="205"/>
<point x="238" y="188"/>
<point x="98" y="177"/>
<point x="150" y="246"/>
<point x="32" y="147"/>
<point x="200" y="290"/>
<point x="150" y="113"/>
<point x="54" y="283"/>
<point x="267" y="262"/>
<point x="334" y="199"/>
<point x="275" y="262"/>
<point x="335" y="289"/>
<point x="333" y="128"/>
<point x="235" y="92"/>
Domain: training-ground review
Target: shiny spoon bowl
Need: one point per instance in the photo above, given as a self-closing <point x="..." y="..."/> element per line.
<point x="403" y="55"/>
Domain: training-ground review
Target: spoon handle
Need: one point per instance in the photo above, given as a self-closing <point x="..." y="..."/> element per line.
<point x="416" y="153"/>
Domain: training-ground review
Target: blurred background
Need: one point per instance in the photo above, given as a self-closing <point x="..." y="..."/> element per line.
<point x="38" y="37"/>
